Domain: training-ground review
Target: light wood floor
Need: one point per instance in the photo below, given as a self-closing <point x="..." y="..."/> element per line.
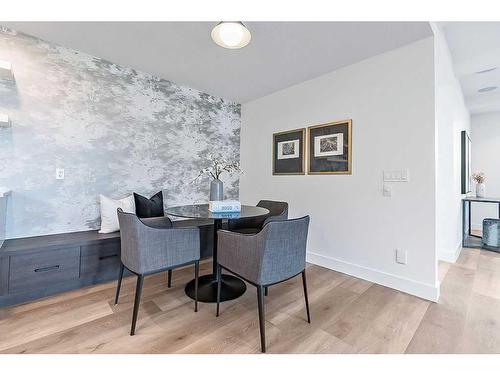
<point x="349" y="315"/>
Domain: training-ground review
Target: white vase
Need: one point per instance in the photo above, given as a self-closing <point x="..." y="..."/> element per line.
<point x="480" y="190"/>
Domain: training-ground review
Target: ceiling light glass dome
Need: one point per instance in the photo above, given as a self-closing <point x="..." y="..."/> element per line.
<point x="232" y="35"/>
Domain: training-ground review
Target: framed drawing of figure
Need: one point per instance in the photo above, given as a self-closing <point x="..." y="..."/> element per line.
<point x="330" y="148"/>
<point x="289" y="152"/>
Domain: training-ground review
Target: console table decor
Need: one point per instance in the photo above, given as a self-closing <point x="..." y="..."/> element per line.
<point x="469" y="239"/>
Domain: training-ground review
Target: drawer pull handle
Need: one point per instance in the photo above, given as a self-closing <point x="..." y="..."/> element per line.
<point x="108" y="256"/>
<point x="46" y="269"/>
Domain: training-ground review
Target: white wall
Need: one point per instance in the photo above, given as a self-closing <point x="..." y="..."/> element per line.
<point x="354" y="229"/>
<point x="452" y="117"/>
<point x="485" y="138"/>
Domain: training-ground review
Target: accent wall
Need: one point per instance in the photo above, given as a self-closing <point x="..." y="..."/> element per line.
<point x="114" y="131"/>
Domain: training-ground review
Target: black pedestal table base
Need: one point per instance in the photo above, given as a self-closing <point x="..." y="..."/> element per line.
<point x="232" y="287"/>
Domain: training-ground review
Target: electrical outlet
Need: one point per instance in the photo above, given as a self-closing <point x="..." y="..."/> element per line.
<point x="401" y="256"/>
<point x="59" y="173"/>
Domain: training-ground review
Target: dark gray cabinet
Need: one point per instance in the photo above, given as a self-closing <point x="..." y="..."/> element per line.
<point x="29" y="272"/>
<point x="36" y="267"/>
<point x="100" y="261"/>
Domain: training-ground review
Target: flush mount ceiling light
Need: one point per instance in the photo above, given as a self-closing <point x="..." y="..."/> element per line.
<point x="486" y="89"/>
<point x="232" y="35"/>
<point x="487" y="70"/>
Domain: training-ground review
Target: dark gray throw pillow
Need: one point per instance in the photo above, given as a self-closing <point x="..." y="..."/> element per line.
<point x="152" y="207"/>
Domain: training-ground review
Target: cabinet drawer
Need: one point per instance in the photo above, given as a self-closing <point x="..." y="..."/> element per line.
<point x="41" y="270"/>
<point x="100" y="259"/>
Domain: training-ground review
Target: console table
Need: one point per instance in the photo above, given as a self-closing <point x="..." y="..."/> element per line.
<point x="469" y="239"/>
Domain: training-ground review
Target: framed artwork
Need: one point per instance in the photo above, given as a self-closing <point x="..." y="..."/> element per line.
<point x="466" y="166"/>
<point x="289" y="152"/>
<point x="330" y="150"/>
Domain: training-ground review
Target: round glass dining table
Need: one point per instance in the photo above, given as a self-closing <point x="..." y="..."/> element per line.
<point x="231" y="286"/>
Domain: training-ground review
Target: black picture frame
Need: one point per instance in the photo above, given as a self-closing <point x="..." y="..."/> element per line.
<point x="295" y="163"/>
<point x="466" y="163"/>
<point x="333" y="161"/>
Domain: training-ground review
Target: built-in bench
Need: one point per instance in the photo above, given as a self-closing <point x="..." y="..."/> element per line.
<point x="35" y="267"/>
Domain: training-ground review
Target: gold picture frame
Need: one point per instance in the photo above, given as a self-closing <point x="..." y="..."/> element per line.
<point x="323" y="162"/>
<point x="287" y="165"/>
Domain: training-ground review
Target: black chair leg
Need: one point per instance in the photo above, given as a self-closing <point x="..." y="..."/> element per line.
<point x="219" y="282"/>
<point x="196" y="273"/>
<point x="138" y="292"/>
<point x="119" y="286"/>
<point x="304" y="283"/>
<point x="266" y="291"/>
<point x="262" y="318"/>
<point x="169" y="278"/>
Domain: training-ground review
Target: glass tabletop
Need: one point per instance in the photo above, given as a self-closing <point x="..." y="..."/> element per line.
<point x="200" y="211"/>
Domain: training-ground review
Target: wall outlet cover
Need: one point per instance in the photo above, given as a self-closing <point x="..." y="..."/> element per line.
<point x="59" y="173"/>
<point x="4" y="121"/>
<point x="401" y="257"/>
<point x="5" y="70"/>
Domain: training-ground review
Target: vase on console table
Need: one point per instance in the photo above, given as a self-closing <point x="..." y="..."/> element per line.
<point x="216" y="190"/>
<point x="480" y="190"/>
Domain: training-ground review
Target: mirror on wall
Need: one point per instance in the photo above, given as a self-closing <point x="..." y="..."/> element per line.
<point x="466" y="163"/>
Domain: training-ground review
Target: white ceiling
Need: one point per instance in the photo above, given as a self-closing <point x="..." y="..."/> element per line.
<point x="475" y="46"/>
<point x="280" y="54"/>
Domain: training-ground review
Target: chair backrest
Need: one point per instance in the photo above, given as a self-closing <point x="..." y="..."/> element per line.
<point x="277" y="211"/>
<point x="284" y="250"/>
<point x="150" y="245"/>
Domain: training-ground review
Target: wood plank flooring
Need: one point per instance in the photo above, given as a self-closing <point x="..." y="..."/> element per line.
<point x="349" y="315"/>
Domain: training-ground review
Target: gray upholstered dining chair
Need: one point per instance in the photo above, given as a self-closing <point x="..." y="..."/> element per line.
<point x="273" y="255"/>
<point x="152" y="246"/>
<point x="277" y="211"/>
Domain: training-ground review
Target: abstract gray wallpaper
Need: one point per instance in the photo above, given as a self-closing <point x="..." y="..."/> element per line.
<point x="114" y="130"/>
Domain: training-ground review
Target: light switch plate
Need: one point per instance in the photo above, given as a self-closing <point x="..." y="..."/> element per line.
<point x="398" y="175"/>
<point x="59" y="173"/>
<point x="405" y="175"/>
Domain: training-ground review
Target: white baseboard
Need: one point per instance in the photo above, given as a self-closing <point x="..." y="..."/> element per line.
<point x="416" y="288"/>
<point x="450" y="256"/>
<point x="477" y="226"/>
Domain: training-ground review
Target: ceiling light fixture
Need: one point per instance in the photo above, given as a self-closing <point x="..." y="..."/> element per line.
<point x="486" y="89"/>
<point x="232" y="35"/>
<point x="487" y="70"/>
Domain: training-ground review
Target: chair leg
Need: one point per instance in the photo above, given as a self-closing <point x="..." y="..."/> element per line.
<point x="169" y="278"/>
<point x="138" y="292"/>
<point x="119" y="286"/>
<point x="262" y="318"/>
<point x="219" y="282"/>
<point x="304" y="283"/>
<point x="266" y="291"/>
<point x="196" y="273"/>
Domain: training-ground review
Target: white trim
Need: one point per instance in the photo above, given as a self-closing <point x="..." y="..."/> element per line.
<point x="426" y="291"/>
<point x="450" y="256"/>
<point x="477" y="226"/>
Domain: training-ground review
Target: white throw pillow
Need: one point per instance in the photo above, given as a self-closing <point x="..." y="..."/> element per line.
<point x="109" y="217"/>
